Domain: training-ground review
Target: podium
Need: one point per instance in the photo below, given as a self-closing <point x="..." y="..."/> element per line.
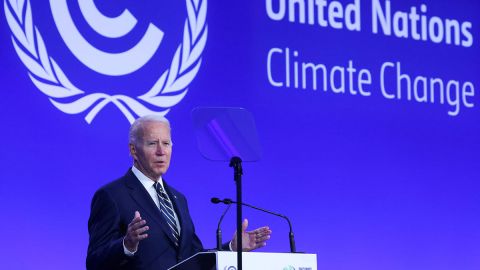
<point x="227" y="260"/>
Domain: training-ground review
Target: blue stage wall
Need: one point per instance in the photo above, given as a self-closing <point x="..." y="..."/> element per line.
<point x="367" y="112"/>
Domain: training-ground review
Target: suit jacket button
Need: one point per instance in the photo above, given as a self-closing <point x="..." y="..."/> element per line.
<point x="179" y="258"/>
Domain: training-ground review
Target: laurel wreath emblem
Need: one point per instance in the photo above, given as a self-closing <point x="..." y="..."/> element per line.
<point x="48" y="77"/>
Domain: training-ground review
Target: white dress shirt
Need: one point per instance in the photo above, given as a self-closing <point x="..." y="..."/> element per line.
<point x="148" y="185"/>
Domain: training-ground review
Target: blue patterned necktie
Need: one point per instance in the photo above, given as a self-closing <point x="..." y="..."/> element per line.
<point x="166" y="208"/>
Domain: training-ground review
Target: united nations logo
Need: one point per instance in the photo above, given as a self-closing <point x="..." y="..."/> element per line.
<point x="167" y="88"/>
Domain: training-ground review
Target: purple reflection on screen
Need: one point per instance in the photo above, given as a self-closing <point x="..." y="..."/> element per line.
<point x="217" y="131"/>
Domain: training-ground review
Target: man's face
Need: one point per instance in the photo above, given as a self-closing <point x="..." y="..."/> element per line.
<point x="153" y="149"/>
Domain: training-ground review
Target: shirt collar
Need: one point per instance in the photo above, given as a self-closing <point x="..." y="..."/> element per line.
<point x="146" y="182"/>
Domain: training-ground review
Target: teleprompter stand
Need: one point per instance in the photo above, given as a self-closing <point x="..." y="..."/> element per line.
<point x="228" y="134"/>
<point x="236" y="163"/>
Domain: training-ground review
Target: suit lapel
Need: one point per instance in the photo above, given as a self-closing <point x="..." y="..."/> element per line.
<point x="145" y="202"/>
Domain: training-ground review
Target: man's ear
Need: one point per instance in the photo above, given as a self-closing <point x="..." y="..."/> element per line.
<point x="132" y="149"/>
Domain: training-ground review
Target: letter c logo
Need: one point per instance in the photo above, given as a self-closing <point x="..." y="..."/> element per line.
<point x="112" y="64"/>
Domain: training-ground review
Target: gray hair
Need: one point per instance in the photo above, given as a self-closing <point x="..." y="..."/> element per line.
<point x="136" y="127"/>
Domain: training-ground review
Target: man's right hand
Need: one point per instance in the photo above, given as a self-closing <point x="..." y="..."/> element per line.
<point x="135" y="232"/>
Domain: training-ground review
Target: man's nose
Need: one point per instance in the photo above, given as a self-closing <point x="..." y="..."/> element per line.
<point x="161" y="150"/>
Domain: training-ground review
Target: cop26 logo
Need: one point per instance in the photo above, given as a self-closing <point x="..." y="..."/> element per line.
<point x="169" y="87"/>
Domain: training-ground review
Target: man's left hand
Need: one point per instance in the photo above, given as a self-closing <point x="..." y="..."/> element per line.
<point x="253" y="239"/>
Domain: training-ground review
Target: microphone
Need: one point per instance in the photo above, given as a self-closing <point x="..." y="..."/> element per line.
<point x="216" y="200"/>
<point x="219" y="232"/>
<point x="290" y="234"/>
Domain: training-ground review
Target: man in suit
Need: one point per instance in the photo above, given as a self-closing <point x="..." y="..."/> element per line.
<point x="139" y="221"/>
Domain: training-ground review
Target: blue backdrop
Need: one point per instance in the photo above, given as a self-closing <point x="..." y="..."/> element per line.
<point x="367" y="112"/>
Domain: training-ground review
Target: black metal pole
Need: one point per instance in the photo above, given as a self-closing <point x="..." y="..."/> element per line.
<point x="236" y="163"/>
<point x="293" y="249"/>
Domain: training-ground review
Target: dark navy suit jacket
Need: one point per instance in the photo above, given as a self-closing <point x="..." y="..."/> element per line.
<point x="113" y="207"/>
